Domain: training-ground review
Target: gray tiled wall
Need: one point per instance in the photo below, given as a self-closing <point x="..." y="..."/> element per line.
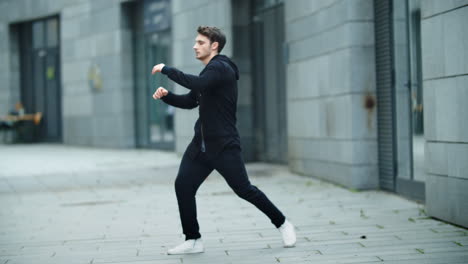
<point x="445" y="69"/>
<point x="331" y="70"/>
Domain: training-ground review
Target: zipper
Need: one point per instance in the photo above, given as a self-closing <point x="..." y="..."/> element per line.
<point x="203" y="147"/>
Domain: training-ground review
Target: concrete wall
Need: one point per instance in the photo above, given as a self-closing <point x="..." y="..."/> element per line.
<point x="445" y="74"/>
<point x="330" y="75"/>
<point x="187" y="16"/>
<point x="91" y="34"/>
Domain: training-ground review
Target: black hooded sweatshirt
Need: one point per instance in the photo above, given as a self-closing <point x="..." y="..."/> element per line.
<point x="214" y="90"/>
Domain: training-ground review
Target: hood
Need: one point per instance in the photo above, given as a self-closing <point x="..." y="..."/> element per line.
<point x="229" y="62"/>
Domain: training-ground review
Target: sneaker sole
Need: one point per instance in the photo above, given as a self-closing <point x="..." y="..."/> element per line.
<point x="185" y="253"/>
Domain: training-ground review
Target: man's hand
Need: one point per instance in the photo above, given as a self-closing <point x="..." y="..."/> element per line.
<point x="157" y="68"/>
<point x="160" y="92"/>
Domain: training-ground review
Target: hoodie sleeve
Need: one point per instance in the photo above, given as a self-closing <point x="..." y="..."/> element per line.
<point x="209" y="78"/>
<point x="184" y="101"/>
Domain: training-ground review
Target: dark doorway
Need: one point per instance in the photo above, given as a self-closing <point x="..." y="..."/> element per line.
<point x="151" y="45"/>
<point x="269" y="81"/>
<point x="40" y="76"/>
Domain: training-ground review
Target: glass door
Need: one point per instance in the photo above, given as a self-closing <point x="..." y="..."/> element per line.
<point x="161" y="115"/>
<point x="409" y="137"/>
<point x="40" y="64"/>
<point x="417" y="106"/>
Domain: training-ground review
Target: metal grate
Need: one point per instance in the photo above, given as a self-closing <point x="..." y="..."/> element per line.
<point x="385" y="92"/>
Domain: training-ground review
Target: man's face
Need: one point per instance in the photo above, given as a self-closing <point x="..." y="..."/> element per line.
<point x="203" y="48"/>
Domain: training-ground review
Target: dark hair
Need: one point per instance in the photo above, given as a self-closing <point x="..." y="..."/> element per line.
<point x="214" y="34"/>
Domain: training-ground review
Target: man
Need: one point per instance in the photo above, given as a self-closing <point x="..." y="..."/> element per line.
<point x="216" y="144"/>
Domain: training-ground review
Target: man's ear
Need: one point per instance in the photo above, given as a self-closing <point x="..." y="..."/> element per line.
<point x="214" y="46"/>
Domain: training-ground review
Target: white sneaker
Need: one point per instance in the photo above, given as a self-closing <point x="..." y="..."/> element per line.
<point x="288" y="233"/>
<point x="190" y="246"/>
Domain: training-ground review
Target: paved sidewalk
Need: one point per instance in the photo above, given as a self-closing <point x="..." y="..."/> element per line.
<point x="62" y="204"/>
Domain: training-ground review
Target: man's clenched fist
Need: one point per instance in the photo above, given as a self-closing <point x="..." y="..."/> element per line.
<point x="160" y="92"/>
<point x="157" y="68"/>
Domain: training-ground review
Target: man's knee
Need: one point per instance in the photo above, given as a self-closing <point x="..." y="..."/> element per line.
<point x="248" y="192"/>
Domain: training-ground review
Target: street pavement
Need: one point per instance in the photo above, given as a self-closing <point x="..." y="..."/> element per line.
<point x="64" y="204"/>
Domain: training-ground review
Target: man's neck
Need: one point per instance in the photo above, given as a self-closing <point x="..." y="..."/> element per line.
<point x="208" y="59"/>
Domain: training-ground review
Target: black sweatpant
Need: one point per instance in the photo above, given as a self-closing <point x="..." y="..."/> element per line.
<point x="230" y="165"/>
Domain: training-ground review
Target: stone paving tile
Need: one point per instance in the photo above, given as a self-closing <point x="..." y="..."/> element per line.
<point x="105" y="214"/>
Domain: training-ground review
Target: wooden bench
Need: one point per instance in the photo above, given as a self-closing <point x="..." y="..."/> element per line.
<point x="13" y="122"/>
<point x="36" y="118"/>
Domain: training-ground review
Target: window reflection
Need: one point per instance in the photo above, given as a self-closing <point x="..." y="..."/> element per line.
<point x="52" y="32"/>
<point x="38" y="34"/>
<point x="408" y="90"/>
